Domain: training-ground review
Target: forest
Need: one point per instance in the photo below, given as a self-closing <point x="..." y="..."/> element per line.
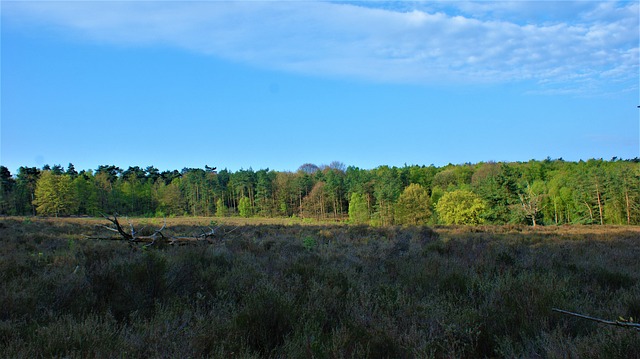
<point x="547" y="192"/>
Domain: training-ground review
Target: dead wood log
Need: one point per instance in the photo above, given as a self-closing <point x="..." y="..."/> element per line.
<point x="158" y="236"/>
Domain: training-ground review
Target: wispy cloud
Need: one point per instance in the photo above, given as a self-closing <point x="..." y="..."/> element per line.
<point x="559" y="46"/>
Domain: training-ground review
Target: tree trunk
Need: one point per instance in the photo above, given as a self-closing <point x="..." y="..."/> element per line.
<point x="300" y="209"/>
<point x="590" y="211"/>
<point x="599" y="204"/>
<point x="626" y="197"/>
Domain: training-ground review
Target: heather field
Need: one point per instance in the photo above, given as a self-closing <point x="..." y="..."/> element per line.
<point x="280" y="288"/>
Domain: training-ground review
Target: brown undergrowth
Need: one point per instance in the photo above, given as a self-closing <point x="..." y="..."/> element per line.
<point x="281" y="289"/>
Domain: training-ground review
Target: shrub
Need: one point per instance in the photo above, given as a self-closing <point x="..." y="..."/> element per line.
<point x="361" y="292"/>
<point x="266" y="320"/>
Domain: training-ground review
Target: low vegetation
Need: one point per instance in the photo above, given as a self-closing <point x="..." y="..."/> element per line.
<point x="317" y="291"/>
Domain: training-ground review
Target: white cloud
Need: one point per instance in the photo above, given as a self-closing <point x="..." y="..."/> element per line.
<point x="481" y="42"/>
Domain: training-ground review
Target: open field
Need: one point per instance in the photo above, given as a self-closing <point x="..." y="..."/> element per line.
<point x="283" y="288"/>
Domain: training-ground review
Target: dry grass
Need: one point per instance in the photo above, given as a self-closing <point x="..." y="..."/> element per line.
<point x="452" y="231"/>
<point x="176" y="221"/>
<point x="276" y="288"/>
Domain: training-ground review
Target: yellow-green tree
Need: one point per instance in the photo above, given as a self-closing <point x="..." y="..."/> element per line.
<point x="413" y="206"/>
<point x="244" y="207"/>
<point x="55" y="194"/>
<point x="170" y="200"/>
<point x="221" y="209"/>
<point x="358" y="209"/>
<point x="461" y="207"/>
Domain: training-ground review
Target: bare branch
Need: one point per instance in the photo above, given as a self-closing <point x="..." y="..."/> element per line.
<point x="133" y="232"/>
<point x="118" y="227"/>
<point x="620" y="323"/>
<point x="158" y="235"/>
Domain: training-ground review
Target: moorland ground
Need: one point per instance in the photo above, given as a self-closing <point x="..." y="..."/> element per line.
<point x="282" y="288"/>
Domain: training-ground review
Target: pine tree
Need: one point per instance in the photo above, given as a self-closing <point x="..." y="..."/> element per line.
<point x="7" y="184"/>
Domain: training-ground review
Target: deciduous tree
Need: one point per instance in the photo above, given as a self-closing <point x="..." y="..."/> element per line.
<point x="532" y="200"/>
<point x="221" y="209"/>
<point x="413" y="206"/>
<point x="244" y="207"/>
<point x="55" y="194"/>
<point x="358" y="209"/>
<point x="315" y="203"/>
<point x="170" y="198"/>
<point x="461" y="207"/>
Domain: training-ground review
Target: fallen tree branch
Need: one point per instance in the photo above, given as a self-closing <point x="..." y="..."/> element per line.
<point x="158" y="236"/>
<point x="621" y="323"/>
<point x="118" y="227"/>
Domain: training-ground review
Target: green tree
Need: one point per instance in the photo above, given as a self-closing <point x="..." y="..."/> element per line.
<point x="223" y="189"/>
<point x="193" y="186"/>
<point x="265" y="199"/>
<point x="109" y="193"/>
<point x="461" y="207"/>
<point x="626" y="191"/>
<point x="152" y="173"/>
<point x="57" y="170"/>
<point x="71" y="171"/>
<point x="358" y="209"/>
<point x="55" y="194"/>
<point x="413" y="206"/>
<point x="315" y="203"/>
<point x="445" y="178"/>
<point x="498" y="187"/>
<point x="621" y="199"/>
<point x="286" y="193"/>
<point x="170" y="199"/>
<point x="532" y="199"/>
<point x="26" y="181"/>
<point x="360" y="181"/>
<point x="244" y="207"/>
<point x="335" y="189"/>
<point x="422" y="175"/>
<point x="243" y="183"/>
<point x="387" y="189"/>
<point x="221" y="209"/>
<point x="86" y="193"/>
<point x="303" y="184"/>
<point x="561" y="206"/>
<point x="7" y="184"/>
<point x="591" y="189"/>
<point x="131" y="187"/>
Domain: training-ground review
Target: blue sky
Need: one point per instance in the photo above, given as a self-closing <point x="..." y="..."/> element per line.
<point x="275" y="84"/>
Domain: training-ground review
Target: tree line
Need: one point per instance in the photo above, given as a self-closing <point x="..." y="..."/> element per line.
<point x="548" y="192"/>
